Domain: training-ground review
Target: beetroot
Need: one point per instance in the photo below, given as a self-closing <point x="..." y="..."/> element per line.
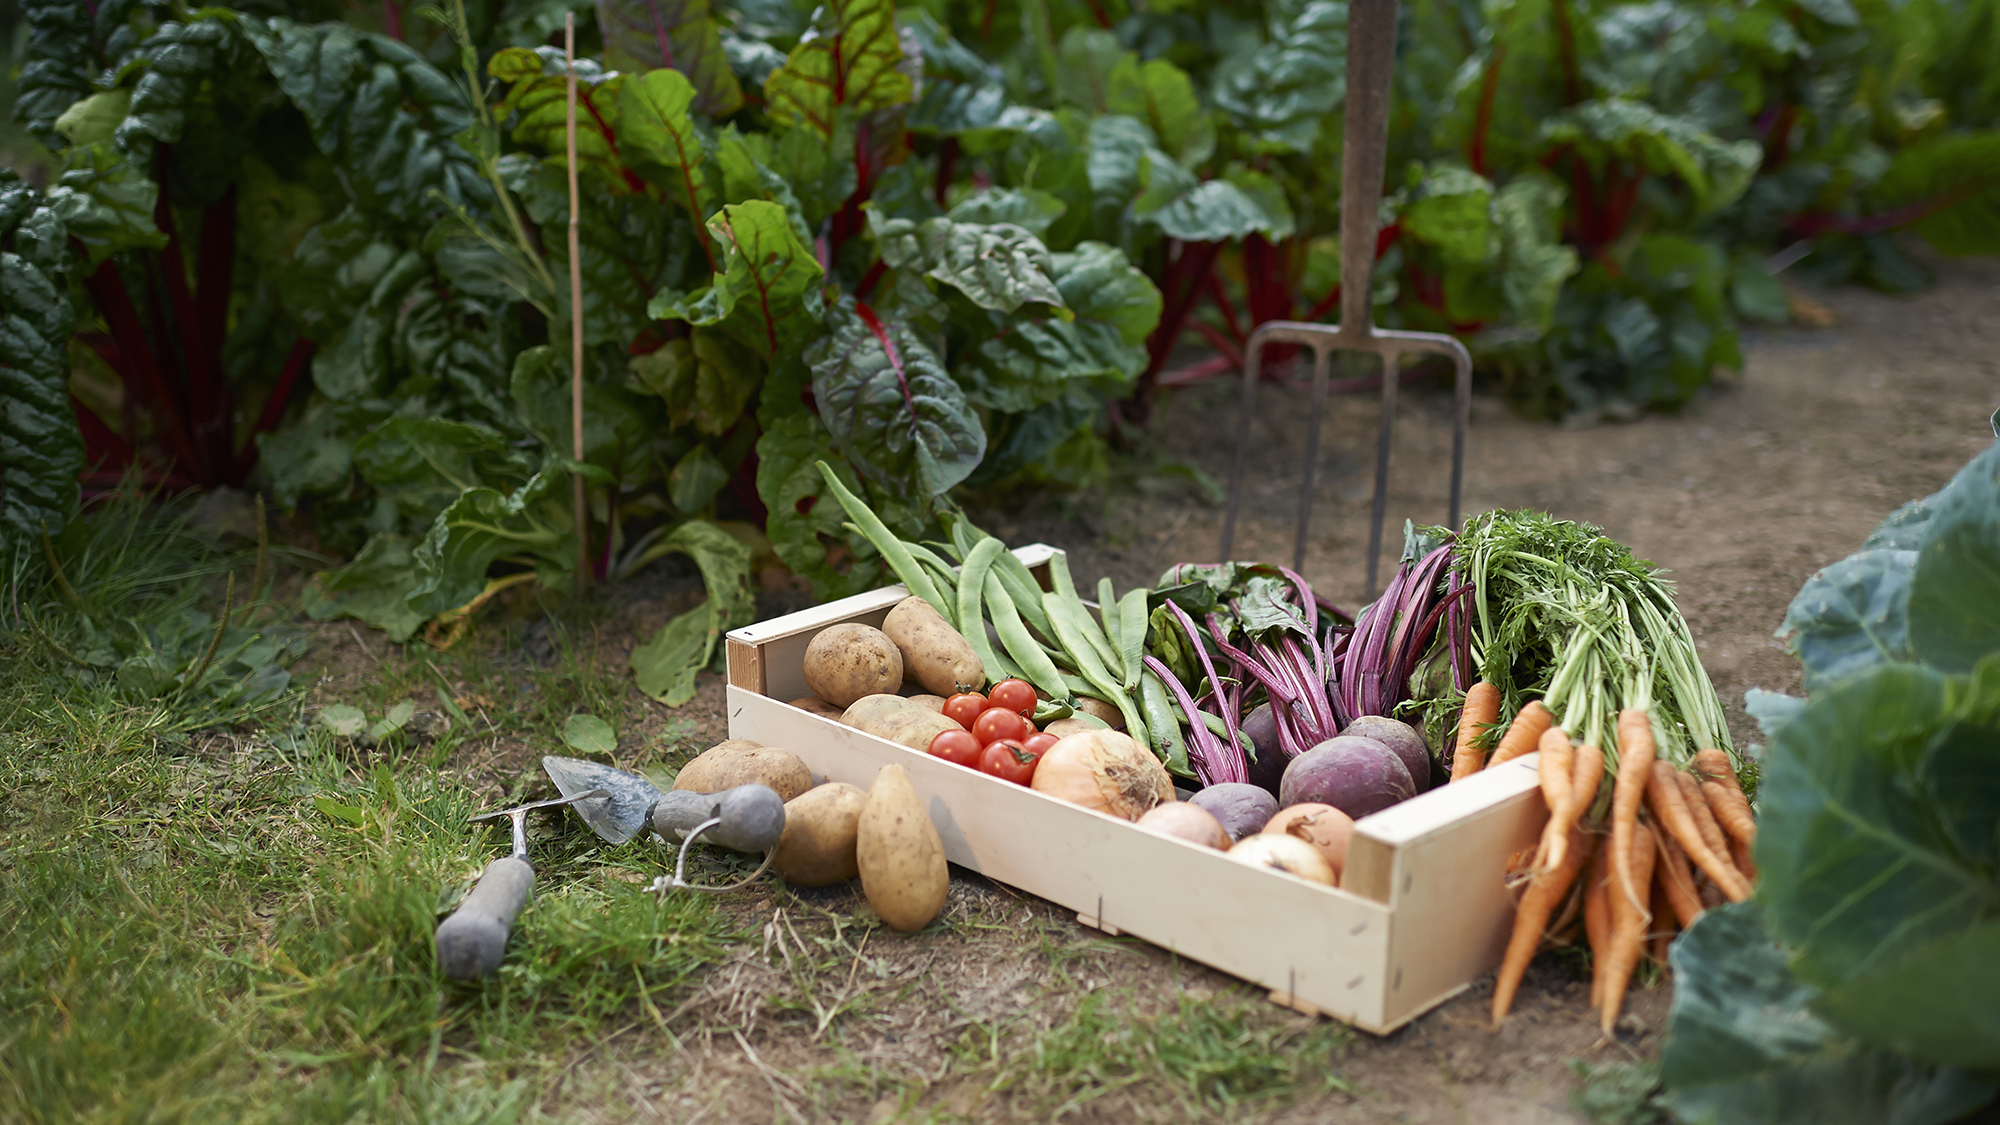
<point x="1262" y="727"/>
<point x="1400" y="737"/>
<point x="1243" y="809"/>
<point x="1356" y="775"/>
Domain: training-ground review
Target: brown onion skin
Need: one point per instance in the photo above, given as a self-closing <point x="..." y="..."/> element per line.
<point x="1104" y="770"/>
<point x="1187" y="822"/>
<point x="1323" y="826"/>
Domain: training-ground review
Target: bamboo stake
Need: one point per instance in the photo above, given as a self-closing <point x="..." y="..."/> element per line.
<point x="575" y="316"/>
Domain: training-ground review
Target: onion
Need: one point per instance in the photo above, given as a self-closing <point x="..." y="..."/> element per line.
<point x="1288" y="854"/>
<point x="1106" y="771"/>
<point x="1187" y="822"/>
<point x="1323" y="826"/>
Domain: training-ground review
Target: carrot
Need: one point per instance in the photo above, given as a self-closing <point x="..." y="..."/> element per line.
<point x="1703" y="814"/>
<point x="1635" y="769"/>
<point x="1585" y="778"/>
<point x="1629" y="919"/>
<point x="1545" y="891"/>
<point x="1663" y="920"/>
<point x="1524" y="734"/>
<point x="1725" y="797"/>
<point x="1672" y="872"/>
<point x="1745" y="862"/>
<point x="1482" y="708"/>
<point x="1554" y="768"/>
<point x="1711" y="895"/>
<point x="1670" y="804"/>
<point x="1597" y="919"/>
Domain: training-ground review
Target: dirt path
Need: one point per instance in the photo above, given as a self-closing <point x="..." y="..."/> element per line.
<point x="1778" y="472"/>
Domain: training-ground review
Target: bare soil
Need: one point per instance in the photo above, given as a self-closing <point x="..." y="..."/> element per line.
<point x="821" y="1015"/>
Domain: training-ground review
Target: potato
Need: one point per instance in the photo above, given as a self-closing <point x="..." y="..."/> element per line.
<point x="847" y="661"/>
<point x="817" y="849"/>
<point x="934" y="654"/>
<point x="899" y="854"/>
<point x="1103" y="712"/>
<point x="899" y="720"/>
<point x="1075" y="724"/>
<point x="934" y="702"/>
<point x="750" y="764"/>
<point x="818" y="706"/>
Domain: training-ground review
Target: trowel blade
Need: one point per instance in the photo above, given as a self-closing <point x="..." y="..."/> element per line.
<point x="617" y="818"/>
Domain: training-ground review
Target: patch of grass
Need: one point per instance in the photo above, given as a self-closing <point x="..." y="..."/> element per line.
<point x="188" y="935"/>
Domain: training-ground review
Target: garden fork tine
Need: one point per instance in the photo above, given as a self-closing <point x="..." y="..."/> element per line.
<point x="1371" y="57"/>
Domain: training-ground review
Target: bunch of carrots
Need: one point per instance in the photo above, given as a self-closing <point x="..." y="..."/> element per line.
<point x="1635" y="763"/>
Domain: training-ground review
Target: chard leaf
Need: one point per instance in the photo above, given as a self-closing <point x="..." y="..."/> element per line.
<point x="484" y="524"/>
<point x="1715" y="171"/>
<point x="616" y="436"/>
<point x="631" y="247"/>
<point x="1534" y="263"/>
<point x="851" y="62"/>
<point x="665" y="667"/>
<point x="1032" y="210"/>
<point x="659" y="140"/>
<point x="373" y="589"/>
<point x="422" y="464"/>
<point x="1451" y="209"/>
<point x="695" y="480"/>
<point x="1000" y="267"/>
<point x="745" y="176"/>
<point x="41" y="451"/>
<point x="1744" y="1046"/>
<point x="1129" y="173"/>
<point x="1277" y="93"/>
<point x="960" y="91"/>
<point x="762" y="289"/>
<point x="1022" y="363"/>
<point x="105" y="201"/>
<point x="1956" y="179"/>
<point x="1089" y="56"/>
<point x="706" y="380"/>
<point x="1954" y="596"/>
<point x="804" y="522"/>
<point x="645" y="36"/>
<point x="890" y="405"/>
<point x="63" y="52"/>
<point x="1162" y="95"/>
<point x="538" y="102"/>
<point x="310" y="458"/>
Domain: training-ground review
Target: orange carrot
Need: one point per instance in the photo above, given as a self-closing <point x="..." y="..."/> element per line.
<point x="1745" y="862"/>
<point x="1555" y="768"/>
<point x="1725" y="797"/>
<point x="1524" y="734"/>
<point x="1635" y="769"/>
<point x="1597" y="918"/>
<point x="1585" y="778"/>
<point x="1671" y="871"/>
<point x="1670" y="805"/>
<point x="1629" y="919"/>
<point x="1545" y="891"/>
<point x="1663" y="921"/>
<point x="1482" y="707"/>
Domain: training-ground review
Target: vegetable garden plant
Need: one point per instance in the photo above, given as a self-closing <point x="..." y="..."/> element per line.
<point x="947" y="245"/>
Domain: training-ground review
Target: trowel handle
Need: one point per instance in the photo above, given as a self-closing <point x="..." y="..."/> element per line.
<point x="471" y="942"/>
<point x="752" y="816"/>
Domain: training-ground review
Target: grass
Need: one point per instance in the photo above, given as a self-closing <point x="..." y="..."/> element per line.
<point x="217" y="910"/>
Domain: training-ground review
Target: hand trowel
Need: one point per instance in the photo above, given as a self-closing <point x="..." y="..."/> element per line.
<point x="748" y="818"/>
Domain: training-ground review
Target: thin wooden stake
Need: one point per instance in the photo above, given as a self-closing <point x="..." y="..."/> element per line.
<point x="576" y="315"/>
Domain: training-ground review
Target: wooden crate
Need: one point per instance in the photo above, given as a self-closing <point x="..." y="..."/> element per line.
<point x="1422" y="910"/>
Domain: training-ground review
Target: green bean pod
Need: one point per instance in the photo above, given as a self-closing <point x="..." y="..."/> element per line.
<point x="1026" y="592"/>
<point x="1132" y="621"/>
<point x="972" y="582"/>
<point x="1079" y="618"/>
<point x="1162" y="724"/>
<point x="1063" y="614"/>
<point x="894" y="551"/>
<point x="1036" y="667"/>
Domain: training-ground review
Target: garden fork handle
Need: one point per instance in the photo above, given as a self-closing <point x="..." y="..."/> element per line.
<point x="1371" y="61"/>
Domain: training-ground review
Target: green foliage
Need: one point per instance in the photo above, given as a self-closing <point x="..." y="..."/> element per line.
<point x="40" y="451"/>
<point x="1877" y="846"/>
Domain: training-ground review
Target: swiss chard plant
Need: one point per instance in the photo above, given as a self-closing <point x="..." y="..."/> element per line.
<point x="1857" y="985"/>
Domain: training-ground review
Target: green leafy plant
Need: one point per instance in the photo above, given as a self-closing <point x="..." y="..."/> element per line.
<point x="1878" y="911"/>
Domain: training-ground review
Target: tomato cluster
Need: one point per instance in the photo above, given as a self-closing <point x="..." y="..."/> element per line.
<point x="999" y="736"/>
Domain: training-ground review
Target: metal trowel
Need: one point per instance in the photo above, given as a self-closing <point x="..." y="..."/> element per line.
<point x="748" y="818"/>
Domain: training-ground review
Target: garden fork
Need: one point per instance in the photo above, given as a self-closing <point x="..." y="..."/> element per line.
<point x="1371" y="58"/>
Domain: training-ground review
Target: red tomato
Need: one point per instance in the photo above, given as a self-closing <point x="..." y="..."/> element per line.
<point x="994" y="724"/>
<point x="1013" y="695"/>
<point x="1040" y="743"/>
<point x="1009" y="760"/>
<point x="957" y="746"/>
<point x="963" y="709"/>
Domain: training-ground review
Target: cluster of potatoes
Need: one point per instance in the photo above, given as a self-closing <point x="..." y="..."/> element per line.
<point x="836" y="831"/>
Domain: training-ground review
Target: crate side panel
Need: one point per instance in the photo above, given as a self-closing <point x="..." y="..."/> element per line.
<point x="1328" y="947"/>
<point x="1452" y="910"/>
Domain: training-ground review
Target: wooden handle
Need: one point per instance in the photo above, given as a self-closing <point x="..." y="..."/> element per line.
<point x="471" y="942"/>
